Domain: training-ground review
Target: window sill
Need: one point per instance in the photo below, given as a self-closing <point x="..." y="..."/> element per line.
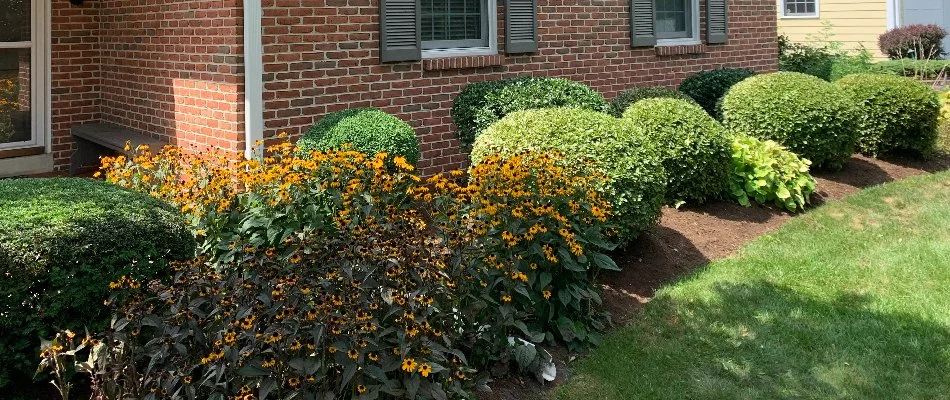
<point x="666" y="50"/>
<point x="464" y="62"/>
<point x="799" y="17"/>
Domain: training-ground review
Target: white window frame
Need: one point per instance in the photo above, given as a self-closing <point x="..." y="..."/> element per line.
<point x="816" y="15"/>
<point x="39" y="45"/>
<point x="491" y="49"/>
<point x="694" y="38"/>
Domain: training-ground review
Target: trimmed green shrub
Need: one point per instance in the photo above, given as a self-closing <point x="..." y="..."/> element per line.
<point x="896" y="113"/>
<point x="765" y="172"/>
<point x="630" y="97"/>
<point x="481" y="104"/>
<point x="591" y="142"/>
<point x="693" y="146"/>
<point x="708" y="87"/>
<point x="815" y="119"/>
<point x="368" y="130"/>
<point x="797" y="57"/>
<point x="61" y="242"/>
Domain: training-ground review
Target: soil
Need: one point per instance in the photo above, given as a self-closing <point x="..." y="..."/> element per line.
<point x="689" y="237"/>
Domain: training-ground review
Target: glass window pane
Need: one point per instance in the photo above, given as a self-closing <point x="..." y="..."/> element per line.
<point x="452" y="20"/>
<point x="15" y="21"/>
<point x="15" y="95"/>
<point x="672" y="16"/>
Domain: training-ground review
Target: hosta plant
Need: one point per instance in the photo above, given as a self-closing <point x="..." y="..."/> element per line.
<point x="764" y="172"/>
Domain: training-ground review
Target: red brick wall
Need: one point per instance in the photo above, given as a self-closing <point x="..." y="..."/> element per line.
<point x="75" y="73"/>
<point x="322" y="56"/>
<point x="172" y="69"/>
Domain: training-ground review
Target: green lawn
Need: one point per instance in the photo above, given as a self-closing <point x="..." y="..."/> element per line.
<point x="851" y="300"/>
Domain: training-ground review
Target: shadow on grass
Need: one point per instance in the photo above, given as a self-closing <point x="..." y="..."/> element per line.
<point x="759" y="340"/>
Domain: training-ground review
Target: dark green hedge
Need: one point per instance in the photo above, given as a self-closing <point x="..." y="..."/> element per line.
<point x="61" y="242"/>
<point x="708" y="87"/>
<point x="368" y="130"/>
<point x="481" y="104"/>
<point x="629" y="97"/>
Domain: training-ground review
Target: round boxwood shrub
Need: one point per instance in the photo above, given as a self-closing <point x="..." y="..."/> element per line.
<point x="62" y="241"/>
<point x="368" y="130"/>
<point x="896" y="113"/>
<point x="708" y="87"/>
<point x="481" y="104"/>
<point x="694" y="147"/>
<point x="590" y="141"/>
<point x="813" y="118"/>
<point x="630" y="97"/>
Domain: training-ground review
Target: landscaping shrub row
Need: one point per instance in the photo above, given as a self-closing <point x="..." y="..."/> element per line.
<point x="330" y="269"/>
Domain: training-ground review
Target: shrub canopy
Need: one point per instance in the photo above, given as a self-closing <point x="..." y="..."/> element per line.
<point x="368" y="130"/>
<point x="694" y="147"/>
<point x="921" y="42"/>
<point x="815" y="119"/>
<point x="630" y="97"/>
<point x="62" y="241"/>
<point x="708" y="87"/>
<point x="896" y="113"/>
<point x="591" y="142"/>
<point x="481" y="104"/>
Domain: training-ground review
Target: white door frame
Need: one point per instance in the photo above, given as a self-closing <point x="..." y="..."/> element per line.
<point x="39" y="46"/>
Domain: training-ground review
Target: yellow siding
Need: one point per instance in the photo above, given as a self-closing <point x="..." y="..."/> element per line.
<point x="853" y="23"/>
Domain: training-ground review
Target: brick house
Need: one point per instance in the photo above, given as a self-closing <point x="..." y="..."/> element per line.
<point x="225" y="73"/>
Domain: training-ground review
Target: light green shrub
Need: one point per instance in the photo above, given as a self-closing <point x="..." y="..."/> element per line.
<point x="589" y="141"/>
<point x="367" y="130"/>
<point x="694" y="147"/>
<point x="896" y="113"/>
<point x="815" y="119"/>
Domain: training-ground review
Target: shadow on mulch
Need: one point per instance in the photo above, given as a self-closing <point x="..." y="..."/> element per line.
<point x="688" y="238"/>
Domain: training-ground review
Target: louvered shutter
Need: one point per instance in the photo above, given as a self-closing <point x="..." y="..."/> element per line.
<point x="400" y="38"/>
<point x="521" y="26"/>
<point x="716" y="22"/>
<point x="642" y="23"/>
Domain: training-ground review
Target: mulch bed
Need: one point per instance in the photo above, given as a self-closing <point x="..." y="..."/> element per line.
<point x="688" y="238"/>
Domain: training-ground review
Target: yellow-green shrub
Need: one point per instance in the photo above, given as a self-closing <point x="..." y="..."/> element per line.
<point x="693" y="146"/>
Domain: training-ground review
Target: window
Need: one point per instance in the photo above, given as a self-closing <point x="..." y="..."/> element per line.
<point x="677" y="21"/>
<point x="673" y="19"/>
<point x="800" y="8"/>
<point x="458" y="27"/>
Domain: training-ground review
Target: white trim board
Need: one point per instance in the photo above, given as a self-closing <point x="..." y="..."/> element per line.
<point x="253" y="77"/>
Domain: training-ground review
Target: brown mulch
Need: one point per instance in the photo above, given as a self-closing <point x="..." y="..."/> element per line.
<point x="689" y="237"/>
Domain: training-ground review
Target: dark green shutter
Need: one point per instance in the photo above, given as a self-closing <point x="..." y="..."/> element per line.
<point x="399" y="31"/>
<point x="521" y="26"/>
<point x="642" y="23"/>
<point x="716" y="22"/>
